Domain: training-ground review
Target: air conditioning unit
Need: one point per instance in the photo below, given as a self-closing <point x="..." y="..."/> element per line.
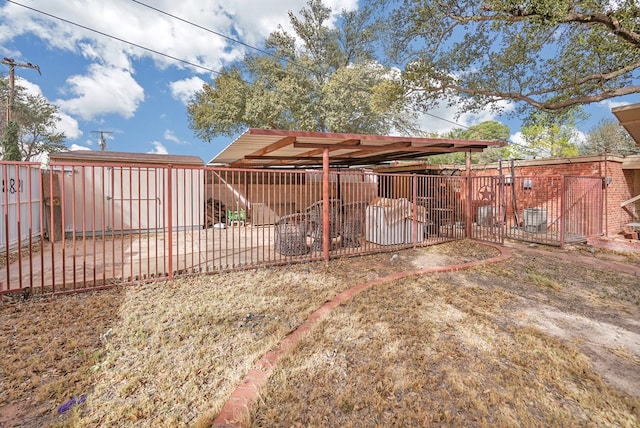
<point x="535" y="220"/>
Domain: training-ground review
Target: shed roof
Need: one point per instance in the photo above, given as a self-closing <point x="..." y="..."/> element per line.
<point x="92" y="156"/>
<point x="629" y="118"/>
<point x="263" y="148"/>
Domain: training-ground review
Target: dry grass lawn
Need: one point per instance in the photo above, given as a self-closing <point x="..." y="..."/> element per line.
<point x="546" y="338"/>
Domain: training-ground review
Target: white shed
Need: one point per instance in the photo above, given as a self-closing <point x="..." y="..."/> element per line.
<point x="104" y="192"/>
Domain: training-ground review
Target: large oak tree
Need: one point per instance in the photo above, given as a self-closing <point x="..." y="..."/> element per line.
<point x="321" y="78"/>
<point x="546" y="55"/>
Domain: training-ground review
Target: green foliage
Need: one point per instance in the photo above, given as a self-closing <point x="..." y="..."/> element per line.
<point x="321" y="78"/>
<point x="608" y="137"/>
<point x="545" y="137"/>
<point x="549" y="55"/>
<point x="36" y="121"/>
<point x="10" y="147"/>
<point x="488" y="131"/>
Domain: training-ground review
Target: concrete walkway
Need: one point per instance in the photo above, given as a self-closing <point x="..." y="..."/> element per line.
<point x="237" y="407"/>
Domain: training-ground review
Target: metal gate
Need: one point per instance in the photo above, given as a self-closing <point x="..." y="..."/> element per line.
<point x="553" y="210"/>
<point x="486" y="208"/>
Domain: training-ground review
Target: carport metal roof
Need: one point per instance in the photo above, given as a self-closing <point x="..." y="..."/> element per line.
<point x="629" y="118"/>
<point x="271" y="148"/>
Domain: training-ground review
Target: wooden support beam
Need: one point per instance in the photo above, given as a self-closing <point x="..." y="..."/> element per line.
<point x="630" y="201"/>
<point x="395" y="147"/>
<point x="284" y="142"/>
<point x="332" y="147"/>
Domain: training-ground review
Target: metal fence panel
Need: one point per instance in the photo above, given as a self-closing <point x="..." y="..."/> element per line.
<point x="488" y="210"/>
<point x="553" y="210"/>
<point x="19" y="204"/>
<point x="88" y="226"/>
<point x="100" y="225"/>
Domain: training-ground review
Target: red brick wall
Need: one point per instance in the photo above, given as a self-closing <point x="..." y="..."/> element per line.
<point x="622" y="187"/>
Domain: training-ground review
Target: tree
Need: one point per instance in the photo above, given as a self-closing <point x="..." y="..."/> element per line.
<point x="10" y="145"/>
<point x="608" y="137"/>
<point x="36" y="121"/>
<point x="549" y="55"/>
<point x="545" y="137"/>
<point x="489" y="130"/>
<point x="318" y="79"/>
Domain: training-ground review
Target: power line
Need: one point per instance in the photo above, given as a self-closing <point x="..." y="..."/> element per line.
<point x="262" y="51"/>
<point x="231" y="39"/>
<point x="102" y="142"/>
<point x="12" y="80"/>
<point x="186" y="61"/>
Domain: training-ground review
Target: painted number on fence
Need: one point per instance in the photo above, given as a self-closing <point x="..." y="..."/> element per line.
<point x="13" y="186"/>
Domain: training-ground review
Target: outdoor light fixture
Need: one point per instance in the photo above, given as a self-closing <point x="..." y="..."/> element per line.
<point x="527" y="183"/>
<point x="608" y="180"/>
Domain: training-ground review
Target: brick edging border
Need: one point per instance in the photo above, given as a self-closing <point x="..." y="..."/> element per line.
<point x="247" y="392"/>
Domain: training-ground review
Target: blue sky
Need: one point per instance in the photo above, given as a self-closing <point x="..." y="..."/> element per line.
<point x="103" y="84"/>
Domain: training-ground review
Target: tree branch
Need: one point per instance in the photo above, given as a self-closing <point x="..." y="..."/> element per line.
<point x="522" y="15"/>
<point x="597" y="77"/>
<point x="550" y="105"/>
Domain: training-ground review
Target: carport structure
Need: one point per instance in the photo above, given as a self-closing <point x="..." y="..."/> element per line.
<point x="269" y="148"/>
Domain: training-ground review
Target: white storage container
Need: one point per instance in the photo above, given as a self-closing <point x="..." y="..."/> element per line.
<point x="408" y="237"/>
<point x="380" y="231"/>
<point x="386" y="228"/>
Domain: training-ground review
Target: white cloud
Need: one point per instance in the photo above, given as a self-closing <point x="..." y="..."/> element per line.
<point x="610" y="104"/>
<point x="445" y="118"/>
<point x="158" y="149"/>
<point x="169" y="135"/>
<point x="247" y="20"/>
<point x="183" y="90"/>
<point x="30" y="87"/>
<point x="66" y="124"/>
<point x="577" y="137"/>
<point x="69" y="126"/>
<point x="78" y="147"/>
<point x="109" y="85"/>
<point x="104" y="90"/>
<point x="517" y="139"/>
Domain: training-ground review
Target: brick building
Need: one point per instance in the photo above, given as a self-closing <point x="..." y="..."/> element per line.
<point x="621" y="176"/>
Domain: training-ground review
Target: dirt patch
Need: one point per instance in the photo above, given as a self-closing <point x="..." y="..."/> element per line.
<point x="484" y="345"/>
<point x="613" y="348"/>
<point x="588" y="298"/>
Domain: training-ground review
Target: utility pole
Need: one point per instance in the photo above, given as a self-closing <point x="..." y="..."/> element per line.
<point x="101" y="141"/>
<point x="12" y="80"/>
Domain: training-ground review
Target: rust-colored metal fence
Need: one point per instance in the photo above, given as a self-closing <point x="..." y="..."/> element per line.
<point x="74" y="227"/>
<point x="487" y="208"/>
<point x="553" y="210"/>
